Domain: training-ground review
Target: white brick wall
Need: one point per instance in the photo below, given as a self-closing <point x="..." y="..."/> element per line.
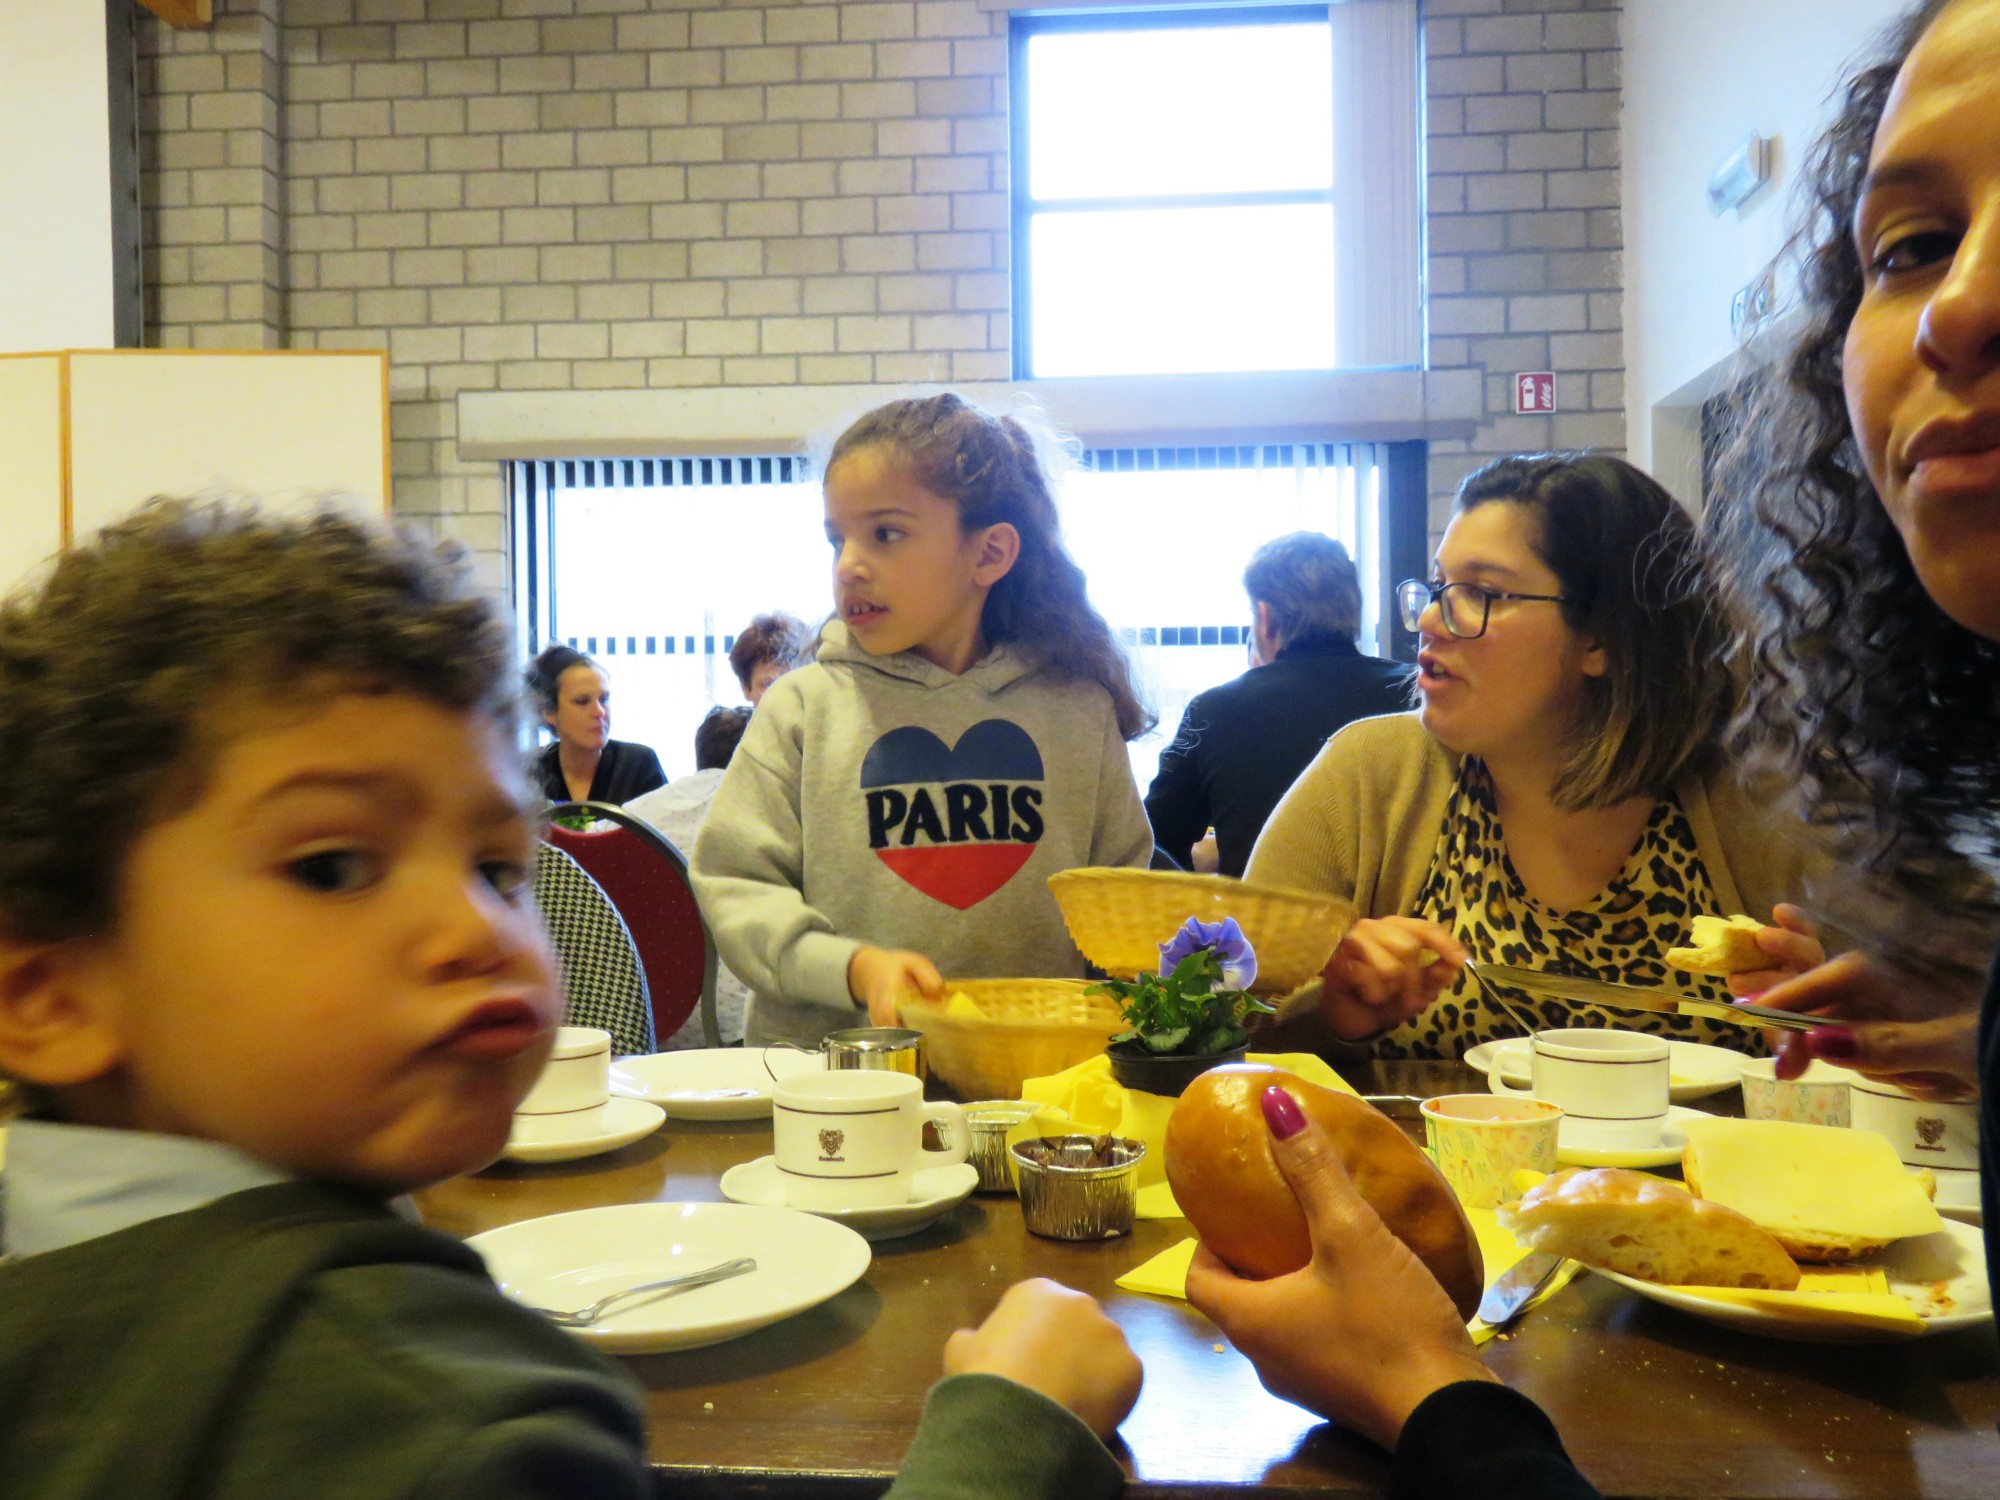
<point x="591" y="194"/>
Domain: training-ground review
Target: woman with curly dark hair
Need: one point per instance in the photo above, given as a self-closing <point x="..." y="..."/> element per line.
<point x="1862" y="535"/>
<point x="1877" y="525"/>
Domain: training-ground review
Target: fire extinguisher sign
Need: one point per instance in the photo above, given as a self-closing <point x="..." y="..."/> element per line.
<point x="1534" y="393"/>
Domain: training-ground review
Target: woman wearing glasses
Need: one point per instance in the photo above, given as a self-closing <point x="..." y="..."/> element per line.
<point x="1557" y="802"/>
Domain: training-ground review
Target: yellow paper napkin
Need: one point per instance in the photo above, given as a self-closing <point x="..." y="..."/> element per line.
<point x="1502" y="1252"/>
<point x="1165" y="1275"/>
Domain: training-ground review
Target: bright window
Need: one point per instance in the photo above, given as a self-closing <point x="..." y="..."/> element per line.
<point x="1173" y="193"/>
<point x="654" y="565"/>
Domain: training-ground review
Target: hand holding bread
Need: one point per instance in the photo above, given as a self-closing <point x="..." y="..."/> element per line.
<point x="1362" y="1333"/>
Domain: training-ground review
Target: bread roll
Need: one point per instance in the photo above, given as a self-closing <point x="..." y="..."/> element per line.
<point x="1219" y="1162"/>
<point x="1643" y="1227"/>
<point x="1721" y="945"/>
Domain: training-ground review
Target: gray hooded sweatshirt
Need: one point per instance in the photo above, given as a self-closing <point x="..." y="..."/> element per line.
<point x="881" y="800"/>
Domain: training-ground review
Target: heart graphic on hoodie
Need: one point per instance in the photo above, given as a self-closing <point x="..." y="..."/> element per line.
<point x="956" y="822"/>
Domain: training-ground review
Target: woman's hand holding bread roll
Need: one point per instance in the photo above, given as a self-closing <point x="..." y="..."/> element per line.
<point x="1363" y="1332"/>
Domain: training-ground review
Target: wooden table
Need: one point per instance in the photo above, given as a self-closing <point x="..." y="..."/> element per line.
<point x="1649" y="1402"/>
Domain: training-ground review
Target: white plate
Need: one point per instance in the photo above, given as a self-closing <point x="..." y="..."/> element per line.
<point x="1666" y="1154"/>
<point x="1958" y="1194"/>
<point x="712" y="1083"/>
<point x="570" y="1260"/>
<point x="1942" y="1276"/>
<point x="1698" y="1069"/>
<point x="938" y="1190"/>
<point x="584" y="1132"/>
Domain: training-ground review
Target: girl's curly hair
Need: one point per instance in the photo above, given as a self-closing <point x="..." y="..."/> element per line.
<point x="987" y="466"/>
<point x="118" y="673"/>
<point x="1880" y="709"/>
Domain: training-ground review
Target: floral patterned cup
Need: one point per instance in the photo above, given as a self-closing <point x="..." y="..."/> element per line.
<point x="1481" y="1140"/>
<point x="1816" y="1097"/>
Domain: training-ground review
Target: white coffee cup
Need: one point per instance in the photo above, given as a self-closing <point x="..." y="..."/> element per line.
<point x="1612" y="1086"/>
<point x="856" y="1139"/>
<point x="1924" y="1134"/>
<point x="576" y="1076"/>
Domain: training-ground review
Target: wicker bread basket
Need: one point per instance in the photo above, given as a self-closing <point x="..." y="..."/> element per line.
<point x="1032" y="1028"/>
<point x="1119" y="918"/>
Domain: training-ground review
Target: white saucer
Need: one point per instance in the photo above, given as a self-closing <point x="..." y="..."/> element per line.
<point x="570" y="1260"/>
<point x="938" y="1190"/>
<point x="1697" y="1069"/>
<point x="584" y="1132"/>
<point x="711" y="1083"/>
<point x="1666" y="1154"/>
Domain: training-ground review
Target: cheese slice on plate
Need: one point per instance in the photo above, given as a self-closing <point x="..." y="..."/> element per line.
<point x="1825" y="1193"/>
<point x="1884" y="1310"/>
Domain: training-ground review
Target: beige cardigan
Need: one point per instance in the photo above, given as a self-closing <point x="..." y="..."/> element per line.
<point x="1363" y="820"/>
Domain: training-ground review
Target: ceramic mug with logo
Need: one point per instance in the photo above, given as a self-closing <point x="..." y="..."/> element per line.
<point x="856" y="1139"/>
<point x="1924" y="1134"/>
<point x="1612" y="1086"/>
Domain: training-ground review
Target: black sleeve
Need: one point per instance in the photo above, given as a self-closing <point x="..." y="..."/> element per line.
<point x="647" y="775"/>
<point x="1478" y="1440"/>
<point x="1177" y="804"/>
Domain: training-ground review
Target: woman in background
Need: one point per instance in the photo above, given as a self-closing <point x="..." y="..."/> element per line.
<point x="769" y="647"/>
<point x="572" y="694"/>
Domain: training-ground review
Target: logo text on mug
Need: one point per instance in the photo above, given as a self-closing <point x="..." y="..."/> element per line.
<point x="830" y="1143"/>
<point x="1930" y="1130"/>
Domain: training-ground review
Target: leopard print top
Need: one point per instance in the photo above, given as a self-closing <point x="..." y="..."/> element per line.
<point x="1619" y="935"/>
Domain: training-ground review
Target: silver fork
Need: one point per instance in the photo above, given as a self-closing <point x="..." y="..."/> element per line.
<point x="583" y="1317"/>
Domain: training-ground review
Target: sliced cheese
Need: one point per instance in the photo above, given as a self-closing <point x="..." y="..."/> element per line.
<point x="1883" y="1310"/>
<point x="1807" y="1182"/>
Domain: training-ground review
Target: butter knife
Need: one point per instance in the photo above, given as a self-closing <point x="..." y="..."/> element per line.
<point x="1636" y="997"/>
<point x="1517" y="1287"/>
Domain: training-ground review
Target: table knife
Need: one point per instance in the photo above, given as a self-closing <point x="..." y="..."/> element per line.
<point x="1517" y="1287"/>
<point x="1636" y="997"/>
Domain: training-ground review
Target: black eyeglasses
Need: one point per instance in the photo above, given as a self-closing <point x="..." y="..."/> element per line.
<point x="1463" y="606"/>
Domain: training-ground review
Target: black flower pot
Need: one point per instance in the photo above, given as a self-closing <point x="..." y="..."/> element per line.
<point x="1163" y="1073"/>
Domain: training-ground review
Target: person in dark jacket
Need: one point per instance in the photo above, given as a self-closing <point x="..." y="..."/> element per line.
<point x="1241" y="745"/>
<point x="572" y="693"/>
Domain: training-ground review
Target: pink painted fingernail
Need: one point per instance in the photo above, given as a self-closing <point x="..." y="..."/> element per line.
<point x="1833" y="1044"/>
<point x="1282" y="1113"/>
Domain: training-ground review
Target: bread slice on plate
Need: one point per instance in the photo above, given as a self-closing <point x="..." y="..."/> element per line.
<point x="1721" y="945"/>
<point x="1649" y="1229"/>
<point x="1826" y="1194"/>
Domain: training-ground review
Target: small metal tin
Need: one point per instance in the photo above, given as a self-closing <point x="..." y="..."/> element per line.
<point x="989" y="1120"/>
<point x="892" y="1049"/>
<point x="1064" y="1197"/>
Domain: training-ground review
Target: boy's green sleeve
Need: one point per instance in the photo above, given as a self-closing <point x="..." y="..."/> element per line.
<point x="986" y="1438"/>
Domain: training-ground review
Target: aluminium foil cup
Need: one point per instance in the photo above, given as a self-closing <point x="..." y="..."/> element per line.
<point x="988" y="1122"/>
<point x="1071" y="1191"/>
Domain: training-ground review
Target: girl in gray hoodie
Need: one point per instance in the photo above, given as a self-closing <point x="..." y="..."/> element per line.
<point x="896" y="807"/>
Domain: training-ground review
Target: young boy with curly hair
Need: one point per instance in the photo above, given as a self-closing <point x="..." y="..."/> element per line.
<point x="267" y="962"/>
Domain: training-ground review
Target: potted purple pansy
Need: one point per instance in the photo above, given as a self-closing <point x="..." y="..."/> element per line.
<point x="1191" y="1014"/>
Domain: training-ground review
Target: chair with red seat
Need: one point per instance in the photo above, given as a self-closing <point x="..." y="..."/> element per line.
<point x="646" y="878"/>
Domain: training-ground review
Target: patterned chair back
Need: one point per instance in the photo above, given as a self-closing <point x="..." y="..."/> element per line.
<point x="603" y="985"/>
<point x="647" y="880"/>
